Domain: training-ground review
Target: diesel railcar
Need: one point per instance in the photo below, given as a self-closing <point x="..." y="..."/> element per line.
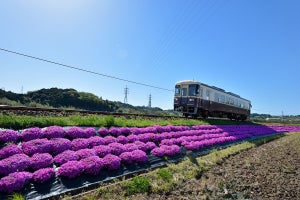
<point x="197" y="99"/>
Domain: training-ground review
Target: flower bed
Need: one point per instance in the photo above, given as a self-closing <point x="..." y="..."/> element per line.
<point x="40" y="154"/>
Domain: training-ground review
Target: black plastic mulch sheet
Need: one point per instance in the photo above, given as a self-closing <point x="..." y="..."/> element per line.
<point x="58" y="186"/>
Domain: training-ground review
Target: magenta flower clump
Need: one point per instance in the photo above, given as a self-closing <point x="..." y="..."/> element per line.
<point x="92" y="165"/>
<point x="42" y="175"/>
<point x="41" y="160"/>
<point x="7" y="135"/>
<point x="54" y="132"/>
<point x="14" y="181"/>
<point x="31" y="134"/>
<point x="70" y="169"/>
<point x="65" y="156"/>
<point x="9" y="150"/>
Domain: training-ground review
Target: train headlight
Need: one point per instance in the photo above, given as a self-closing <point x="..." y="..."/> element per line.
<point x="176" y="99"/>
<point x="191" y="99"/>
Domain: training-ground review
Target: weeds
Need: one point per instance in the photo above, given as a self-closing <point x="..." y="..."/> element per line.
<point x="16" y="196"/>
<point x="138" y="184"/>
<point x="165" y="174"/>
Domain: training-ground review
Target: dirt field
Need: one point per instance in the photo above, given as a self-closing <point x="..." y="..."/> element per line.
<point x="270" y="171"/>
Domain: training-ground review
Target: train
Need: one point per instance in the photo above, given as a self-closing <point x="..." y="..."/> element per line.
<point x="196" y="99"/>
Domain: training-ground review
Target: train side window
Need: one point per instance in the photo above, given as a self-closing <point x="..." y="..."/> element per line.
<point x="227" y="100"/>
<point x="207" y="95"/>
<point x="184" y="91"/>
<point x="177" y="90"/>
<point x="222" y="99"/>
<point x="201" y="91"/>
<point x="217" y="97"/>
<point x="235" y="102"/>
<point x="231" y="101"/>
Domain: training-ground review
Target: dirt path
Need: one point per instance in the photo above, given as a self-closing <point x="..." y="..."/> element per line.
<point x="270" y="171"/>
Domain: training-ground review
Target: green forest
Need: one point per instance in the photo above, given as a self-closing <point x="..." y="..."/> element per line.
<point x="72" y="99"/>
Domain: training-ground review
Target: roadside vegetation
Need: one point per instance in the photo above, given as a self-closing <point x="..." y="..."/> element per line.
<point x="22" y="121"/>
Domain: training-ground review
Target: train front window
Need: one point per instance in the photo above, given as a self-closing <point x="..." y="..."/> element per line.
<point x="193" y="90"/>
<point x="177" y="90"/>
<point x="184" y="91"/>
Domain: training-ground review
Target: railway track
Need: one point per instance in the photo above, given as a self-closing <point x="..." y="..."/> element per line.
<point x="24" y="110"/>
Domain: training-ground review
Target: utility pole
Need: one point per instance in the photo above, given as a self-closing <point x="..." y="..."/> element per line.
<point x="126" y="92"/>
<point x="149" y="103"/>
<point x="282" y="116"/>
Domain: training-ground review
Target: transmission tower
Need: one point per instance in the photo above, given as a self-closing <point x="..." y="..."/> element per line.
<point x="149" y="103"/>
<point x="126" y="92"/>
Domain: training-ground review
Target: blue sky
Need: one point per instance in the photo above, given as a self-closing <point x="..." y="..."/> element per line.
<point x="249" y="47"/>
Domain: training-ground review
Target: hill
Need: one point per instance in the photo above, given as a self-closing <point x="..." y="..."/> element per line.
<point x="71" y="98"/>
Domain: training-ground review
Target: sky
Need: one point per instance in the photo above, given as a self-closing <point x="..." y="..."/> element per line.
<point x="249" y="47"/>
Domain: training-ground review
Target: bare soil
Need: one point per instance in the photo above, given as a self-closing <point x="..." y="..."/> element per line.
<point x="269" y="171"/>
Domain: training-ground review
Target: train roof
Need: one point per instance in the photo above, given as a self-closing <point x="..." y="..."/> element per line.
<point x="213" y="87"/>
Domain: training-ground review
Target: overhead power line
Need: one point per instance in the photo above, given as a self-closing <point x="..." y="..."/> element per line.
<point x="84" y="70"/>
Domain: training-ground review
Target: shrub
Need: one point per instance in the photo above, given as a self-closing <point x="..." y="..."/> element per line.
<point x="164" y="174"/>
<point x="138" y="184"/>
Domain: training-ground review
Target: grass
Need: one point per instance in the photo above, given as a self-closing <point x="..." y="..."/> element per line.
<point x="138" y="184"/>
<point x="16" y="196"/>
<point x="22" y="121"/>
<point x="164" y="180"/>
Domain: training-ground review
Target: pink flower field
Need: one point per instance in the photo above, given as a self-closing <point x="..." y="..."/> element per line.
<point x="38" y="155"/>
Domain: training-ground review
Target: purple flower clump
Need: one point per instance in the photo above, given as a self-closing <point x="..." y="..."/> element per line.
<point x="31" y="134"/>
<point x="125" y="130"/>
<point x="136" y="131"/>
<point x="14" y="181"/>
<point x="7" y="135"/>
<point x="102" y="150"/>
<point x="60" y="145"/>
<point x="132" y="138"/>
<point x="36" y="146"/>
<point x="139" y="156"/>
<point x="85" y="153"/>
<point x="41" y="160"/>
<point x="92" y="165"/>
<point x="109" y="139"/>
<point x="54" y="132"/>
<point x="116" y="148"/>
<point x="89" y="132"/>
<point x="158" y="151"/>
<point x="79" y="143"/>
<point x="75" y="132"/>
<point x="42" y="175"/>
<point x="147" y="137"/>
<point x="141" y="145"/>
<point x="112" y="162"/>
<point x="171" y="150"/>
<point x="114" y="131"/>
<point x="149" y="146"/>
<point x="70" y="169"/>
<point x="130" y="147"/>
<point x="65" y="156"/>
<point x="17" y="162"/>
<point x="103" y="131"/>
<point x="95" y="141"/>
<point x="126" y="157"/>
<point x="122" y="139"/>
<point x="9" y="150"/>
